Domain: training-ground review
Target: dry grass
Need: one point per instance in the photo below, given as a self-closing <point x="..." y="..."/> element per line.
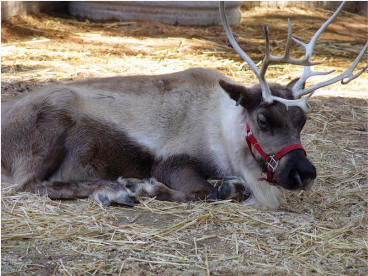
<point x="320" y="232"/>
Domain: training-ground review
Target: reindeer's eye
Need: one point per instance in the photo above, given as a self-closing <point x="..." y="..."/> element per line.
<point x="262" y="121"/>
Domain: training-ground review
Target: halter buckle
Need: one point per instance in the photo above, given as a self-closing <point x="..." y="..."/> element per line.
<point x="272" y="163"/>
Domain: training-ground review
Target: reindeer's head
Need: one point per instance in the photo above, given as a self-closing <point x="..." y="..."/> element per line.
<point x="276" y="113"/>
<point x="275" y="127"/>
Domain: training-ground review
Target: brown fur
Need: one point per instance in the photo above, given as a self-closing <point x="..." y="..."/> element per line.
<point x="185" y="174"/>
<point x="74" y="140"/>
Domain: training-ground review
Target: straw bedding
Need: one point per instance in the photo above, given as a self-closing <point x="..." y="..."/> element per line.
<point x="323" y="231"/>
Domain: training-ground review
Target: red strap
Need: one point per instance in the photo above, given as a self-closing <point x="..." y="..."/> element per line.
<point x="289" y="148"/>
<point x="252" y="141"/>
<point x="249" y="133"/>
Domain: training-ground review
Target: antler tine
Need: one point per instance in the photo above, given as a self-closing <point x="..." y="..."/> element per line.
<point x="348" y="74"/>
<point x="310" y="45"/>
<point x="267" y="56"/>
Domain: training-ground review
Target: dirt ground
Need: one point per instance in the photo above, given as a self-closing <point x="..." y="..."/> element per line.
<point x="322" y="232"/>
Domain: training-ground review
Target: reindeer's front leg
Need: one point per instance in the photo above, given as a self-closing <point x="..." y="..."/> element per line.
<point x="232" y="187"/>
<point x="185" y="174"/>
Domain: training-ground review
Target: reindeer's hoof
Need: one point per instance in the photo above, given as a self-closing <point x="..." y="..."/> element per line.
<point x="121" y="196"/>
<point x="140" y="187"/>
<point x="101" y="198"/>
<point x="132" y="186"/>
<point x="125" y="199"/>
<point x="233" y="187"/>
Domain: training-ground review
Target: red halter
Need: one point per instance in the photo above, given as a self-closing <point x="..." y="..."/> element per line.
<point x="272" y="161"/>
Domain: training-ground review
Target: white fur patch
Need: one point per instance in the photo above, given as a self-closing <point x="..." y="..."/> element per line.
<point x="240" y="160"/>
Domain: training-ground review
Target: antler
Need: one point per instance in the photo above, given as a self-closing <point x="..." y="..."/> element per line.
<point x="266" y="92"/>
<point x="297" y="90"/>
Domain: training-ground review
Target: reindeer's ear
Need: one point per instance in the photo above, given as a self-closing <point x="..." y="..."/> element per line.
<point x="247" y="97"/>
<point x="291" y="84"/>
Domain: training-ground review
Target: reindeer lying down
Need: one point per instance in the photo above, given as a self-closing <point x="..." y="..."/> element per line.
<point x="175" y="131"/>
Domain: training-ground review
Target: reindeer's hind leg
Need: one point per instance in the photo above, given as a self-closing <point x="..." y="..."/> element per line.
<point x="103" y="191"/>
<point x="33" y="175"/>
<point x="34" y="147"/>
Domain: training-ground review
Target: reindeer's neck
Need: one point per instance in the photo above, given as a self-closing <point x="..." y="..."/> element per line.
<point x="237" y="159"/>
<point x="228" y="138"/>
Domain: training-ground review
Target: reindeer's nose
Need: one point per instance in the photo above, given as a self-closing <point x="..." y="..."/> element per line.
<point x="302" y="173"/>
<point x="302" y="178"/>
<point x="297" y="172"/>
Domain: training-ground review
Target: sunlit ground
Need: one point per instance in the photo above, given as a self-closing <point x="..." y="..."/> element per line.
<point x="44" y="49"/>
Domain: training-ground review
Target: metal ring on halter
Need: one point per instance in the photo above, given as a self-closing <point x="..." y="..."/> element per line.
<point x="273" y="163"/>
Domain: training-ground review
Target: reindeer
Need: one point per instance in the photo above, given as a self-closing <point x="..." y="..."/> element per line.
<point x="174" y="131"/>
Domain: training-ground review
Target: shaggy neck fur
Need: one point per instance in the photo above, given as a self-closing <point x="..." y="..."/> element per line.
<point x="238" y="157"/>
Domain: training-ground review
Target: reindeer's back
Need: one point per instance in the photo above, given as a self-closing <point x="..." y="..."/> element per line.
<point x="164" y="112"/>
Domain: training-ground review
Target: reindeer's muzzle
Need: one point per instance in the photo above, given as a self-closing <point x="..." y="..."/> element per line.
<point x="288" y="168"/>
<point x="295" y="171"/>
